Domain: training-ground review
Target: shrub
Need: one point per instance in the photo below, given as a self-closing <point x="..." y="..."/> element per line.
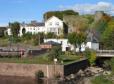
<point x="110" y="65"/>
<point x="91" y="56"/>
<point x="50" y="35"/>
<point x="27" y="36"/>
<point x="39" y="76"/>
<point x="101" y="80"/>
<point x="55" y="53"/>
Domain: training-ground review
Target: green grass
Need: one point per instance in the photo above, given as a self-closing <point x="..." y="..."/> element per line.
<point x="70" y="58"/>
<point x="3" y="42"/>
<point x="34" y="60"/>
<point x="101" y="80"/>
<point x="42" y="59"/>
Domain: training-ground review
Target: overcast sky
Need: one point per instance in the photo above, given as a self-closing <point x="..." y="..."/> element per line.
<point x="27" y="10"/>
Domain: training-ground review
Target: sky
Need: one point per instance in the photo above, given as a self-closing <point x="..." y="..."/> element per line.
<point x="27" y="10"/>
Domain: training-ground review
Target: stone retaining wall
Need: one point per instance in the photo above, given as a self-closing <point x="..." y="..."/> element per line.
<point x="29" y="70"/>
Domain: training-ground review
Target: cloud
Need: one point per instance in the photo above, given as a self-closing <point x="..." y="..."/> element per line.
<point x="91" y="8"/>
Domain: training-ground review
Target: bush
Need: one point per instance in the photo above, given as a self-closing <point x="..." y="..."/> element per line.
<point x="55" y="53"/>
<point x="91" y="56"/>
<point x="50" y="35"/>
<point x="101" y="80"/>
<point x="109" y="64"/>
<point x="27" y="36"/>
<point x="39" y="76"/>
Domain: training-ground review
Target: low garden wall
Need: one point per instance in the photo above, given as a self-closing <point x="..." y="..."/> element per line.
<point x="29" y="70"/>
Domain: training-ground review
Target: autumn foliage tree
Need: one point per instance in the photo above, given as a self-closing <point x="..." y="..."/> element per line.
<point x="108" y="36"/>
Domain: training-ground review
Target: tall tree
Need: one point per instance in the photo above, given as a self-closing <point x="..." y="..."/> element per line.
<point x="59" y="14"/>
<point x="15" y="27"/>
<point x="108" y="36"/>
<point x="76" y="23"/>
<point x="81" y="39"/>
<point x="76" y="39"/>
<point x="72" y="38"/>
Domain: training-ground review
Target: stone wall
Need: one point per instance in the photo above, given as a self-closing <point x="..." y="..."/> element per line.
<point x="29" y="70"/>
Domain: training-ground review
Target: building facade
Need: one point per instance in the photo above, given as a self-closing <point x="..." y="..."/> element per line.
<point x="66" y="46"/>
<point x="53" y="25"/>
<point x="33" y="28"/>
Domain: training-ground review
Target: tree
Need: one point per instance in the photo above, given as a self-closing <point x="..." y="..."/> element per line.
<point x="81" y="39"/>
<point x="91" y="56"/>
<point x="109" y="65"/>
<point x="37" y="38"/>
<point x="77" y="39"/>
<point x="50" y="35"/>
<point x="72" y="38"/>
<point x="59" y="14"/>
<point x="55" y="53"/>
<point x="15" y="27"/>
<point x="76" y="23"/>
<point x="108" y="36"/>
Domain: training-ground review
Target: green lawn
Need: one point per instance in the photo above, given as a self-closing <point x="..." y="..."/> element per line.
<point x="3" y="42"/>
<point x="33" y="60"/>
<point x="42" y="59"/>
<point x="70" y="58"/>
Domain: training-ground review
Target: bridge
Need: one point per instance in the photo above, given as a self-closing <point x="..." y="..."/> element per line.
<point x="105" y="53"/>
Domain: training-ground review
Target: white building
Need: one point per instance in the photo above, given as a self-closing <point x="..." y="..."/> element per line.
<point x="9" y="31"/>
<point x="33" y="27"/>
<point x="54" y="25"/>
<point x="65" y="45"/>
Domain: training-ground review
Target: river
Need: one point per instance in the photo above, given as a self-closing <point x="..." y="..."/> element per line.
<point x="16" y="80"/>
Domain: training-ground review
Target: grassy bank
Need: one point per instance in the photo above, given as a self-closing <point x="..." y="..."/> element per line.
<point x="41" y="59"/>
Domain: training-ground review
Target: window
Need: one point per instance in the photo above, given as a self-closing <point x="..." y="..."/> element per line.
<point x="50" y="23"/>
<point x="57" y="23"/>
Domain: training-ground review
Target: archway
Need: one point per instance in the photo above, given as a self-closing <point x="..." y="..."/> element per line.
<point x="23" y="31"/>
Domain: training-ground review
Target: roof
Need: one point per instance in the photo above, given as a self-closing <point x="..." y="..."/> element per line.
<point x="52" y="43"/>
<point x="34" y="23"/>
<point x="3" y="28"/>
<point x="53" y="17"/>
<point x="92" y="36"/>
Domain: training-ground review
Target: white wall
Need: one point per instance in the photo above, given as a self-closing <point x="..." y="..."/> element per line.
<point x="9" y="31"/>
<point x="91" y="45"/>
<point x="64" y="42"/>
<point x="32" y="29"/>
